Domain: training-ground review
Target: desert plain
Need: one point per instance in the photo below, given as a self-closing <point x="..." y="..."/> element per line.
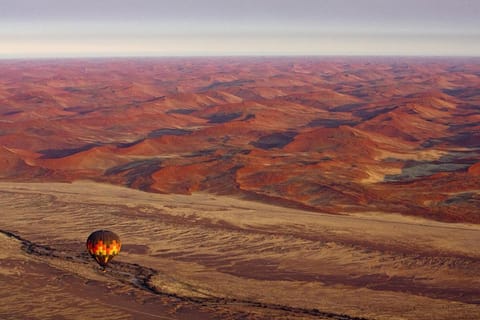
<point x="242" y="188"/>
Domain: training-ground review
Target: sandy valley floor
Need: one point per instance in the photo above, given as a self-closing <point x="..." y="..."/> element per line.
<point x="214" y="257"/>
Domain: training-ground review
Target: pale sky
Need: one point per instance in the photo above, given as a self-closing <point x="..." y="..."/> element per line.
<point x="63" y="28"/>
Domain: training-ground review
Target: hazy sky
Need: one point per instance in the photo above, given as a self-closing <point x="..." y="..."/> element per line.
<point x="60" y="28"/>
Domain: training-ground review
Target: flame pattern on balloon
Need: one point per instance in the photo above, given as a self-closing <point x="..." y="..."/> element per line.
<point x="101" y="248"/>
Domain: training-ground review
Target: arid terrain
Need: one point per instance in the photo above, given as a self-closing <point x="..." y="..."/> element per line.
<point x="242" y="188"/>
<point x="217" y="257"/>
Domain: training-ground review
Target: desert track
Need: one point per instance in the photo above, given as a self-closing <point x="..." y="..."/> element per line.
<point x="221" y="257"/>
<point x="137" y="276"/>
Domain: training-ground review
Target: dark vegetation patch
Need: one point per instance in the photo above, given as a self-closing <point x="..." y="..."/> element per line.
<point x="467" y="139"/>
<point x="222" y="182"/>
<point x="367" y="114"/>
<point x="129" y="144"/>
<point x="168" y="132"/>
<point x="360" y="110"/>
<point x="181" y="111"/>
<point x="201" y="153"/>
<point x="275" y="140"/>
<point x="11" y="113"/>
<point x="79" y="109"/>
<point x="225" y="84"/>
<point x="462" y="198"/>
<point x="135" y="165"/>
<point x="61" y="153"/>
<point x="138" y="173"/>
<point x="459" y="126"/>
<point x="72" y="89"/>
<point x="332" y="123"/>
<point x="361" y="93"/>
<point x="462" y="92"/>
<point x="160" y="98"/>
<point x="452" y="162"/>
<point x="350" y="107"/>
<point x="155" y="134"/>
<point x="224" y="117"/>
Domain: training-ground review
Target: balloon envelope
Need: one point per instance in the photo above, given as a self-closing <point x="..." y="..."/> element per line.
<point x="103" y="245"/>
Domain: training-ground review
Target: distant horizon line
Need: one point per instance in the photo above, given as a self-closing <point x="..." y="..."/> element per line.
<point x="122" y="57"/>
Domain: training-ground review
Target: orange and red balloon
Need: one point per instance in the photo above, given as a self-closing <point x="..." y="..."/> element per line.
<point x="103" y="245"/>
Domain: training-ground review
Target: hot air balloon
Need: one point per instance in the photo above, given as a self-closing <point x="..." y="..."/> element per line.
<point x="103" y="245"/>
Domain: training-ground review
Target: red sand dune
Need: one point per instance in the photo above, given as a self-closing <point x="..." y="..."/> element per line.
<point x="474" y="169"/>
<point x="398" y="135"/>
